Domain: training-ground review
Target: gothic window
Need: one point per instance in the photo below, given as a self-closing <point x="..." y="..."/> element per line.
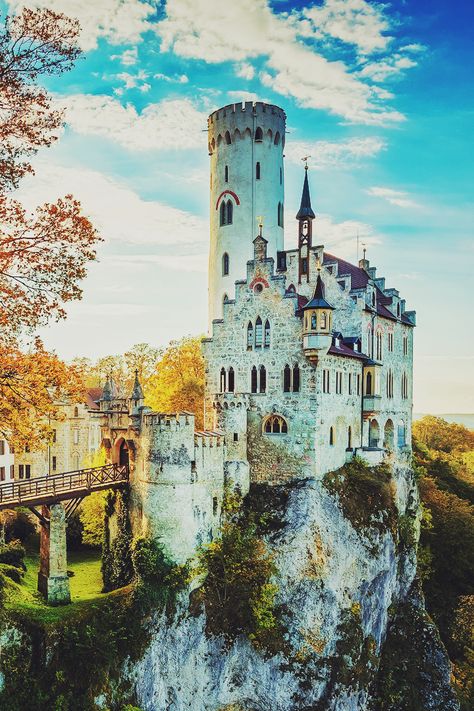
<point x="259" y="135"/>
<point x="227" y="138"/>
<point x="325" y="381"/>
<point x="277" y="138"/>
<point x="296" y="379"/>
<point x="379" y="345"/>
<point x="338" y="382"/>
<point x="226" y="174"/>
<point x="324" y="319"/>
<point x="225" y="264"/>
<point x="370" y="345"/>
<point x="249" y="336"/>
<point x="349" y="383"/>
<point x="405" y="345"/>
<point x="287" y="379"/>
<point x="253" y="378"/>
<point x="404" y="386"/>
<point x="263" y="379"/>
<point x="373" y="298"/>
<point x="258" y="333"/>
<point x="257" y="170"/>
<point x="223" y="213"/>
<point x="275" y="424"/>
<point x="390" y="341"/>
<point x="313" y="321"/>
<point x="331" y="436"/>
<point x="230" y="210"/>
<point x="231" y="381"/>
<point x="349" y="438"/>
<point x="223" y="381"/>
<point x="267" y="335"/>
<point x="358" y="384"/>
<point x="304" y="265"/>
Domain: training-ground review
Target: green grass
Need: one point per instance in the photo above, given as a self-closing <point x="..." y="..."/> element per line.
<point x="86" y="587"/>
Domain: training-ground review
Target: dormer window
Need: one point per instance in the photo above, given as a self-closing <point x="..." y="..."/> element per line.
<point x="373" y="299"/>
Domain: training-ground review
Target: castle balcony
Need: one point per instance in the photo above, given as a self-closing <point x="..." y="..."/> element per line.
<point x="372" y="455"/>
<point x="226" y="400"/>
<point x="371" y="404"/>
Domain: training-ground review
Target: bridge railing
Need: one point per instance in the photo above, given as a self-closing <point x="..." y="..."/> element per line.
<point x="47" y="487"/>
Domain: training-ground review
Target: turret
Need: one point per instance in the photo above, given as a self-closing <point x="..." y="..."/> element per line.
<point x="305" y="217"/>
<point x="246" y="144"/>
<point x="137" y="396"/>
<point x="317" y="323"/>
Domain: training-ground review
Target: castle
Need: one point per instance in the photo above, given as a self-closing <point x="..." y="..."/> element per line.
<point x="308" y="362"/>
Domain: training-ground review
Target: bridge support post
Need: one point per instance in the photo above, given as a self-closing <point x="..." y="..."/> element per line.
<point x="53" y="581"/>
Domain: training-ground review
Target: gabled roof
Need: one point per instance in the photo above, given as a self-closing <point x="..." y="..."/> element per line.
<point x="92" y="397"/>
<point x="343" y="350"/>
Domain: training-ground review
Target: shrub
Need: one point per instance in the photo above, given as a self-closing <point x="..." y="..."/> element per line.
<point x="18" y="525"/>
<point x="13" y="554"/>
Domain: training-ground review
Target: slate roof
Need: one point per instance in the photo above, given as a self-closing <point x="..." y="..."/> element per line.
<point x="305" y="207"/>
<point x="318" y="301"/>
<point x="343" y="350"/>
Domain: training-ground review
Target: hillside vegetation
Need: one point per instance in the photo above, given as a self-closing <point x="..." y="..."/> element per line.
<point x="444" y="461"/>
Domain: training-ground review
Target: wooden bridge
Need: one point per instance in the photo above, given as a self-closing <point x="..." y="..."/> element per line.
<point x="68" y="486"/>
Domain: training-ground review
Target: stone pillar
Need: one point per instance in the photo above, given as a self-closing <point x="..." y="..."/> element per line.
<point x="53" y="581"/>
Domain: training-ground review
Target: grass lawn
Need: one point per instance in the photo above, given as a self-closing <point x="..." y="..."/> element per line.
<point x="86" y="586"/>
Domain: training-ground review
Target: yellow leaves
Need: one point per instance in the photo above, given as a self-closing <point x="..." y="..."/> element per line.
<point x="178" y="383"/>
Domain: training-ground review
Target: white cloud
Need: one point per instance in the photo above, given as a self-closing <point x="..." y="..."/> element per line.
<point x="132" y="81"/>
<point x="169" y="124"/>
<point x="245" y="71"/>
<point x="179" y="262"/>
<point x="340" y="238"/>
<point x="330" y="154"/>
<point x="354" y="22"/>
<point x="117" y="21"/>
<point x="239" y="96"/>
<point x="176" y="79"/>
<point x="386" y="68"/>
<point x="394" y="197"/>
<point x="120" y="215"/>
<point x="202" y="30"/>
<point x="128" y="58"/>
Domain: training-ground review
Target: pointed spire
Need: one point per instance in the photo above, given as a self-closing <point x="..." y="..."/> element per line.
<point x="305" y="211"/>
<point x="108" y="387"/>
<point x="318" y="301"/>
<point x="137" y="392"/>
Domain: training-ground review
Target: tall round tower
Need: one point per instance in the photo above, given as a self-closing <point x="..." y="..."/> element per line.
<point x="246" y="144"/>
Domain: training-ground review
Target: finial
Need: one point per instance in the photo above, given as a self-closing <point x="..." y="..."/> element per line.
<point x="318" y="264"/>
<point x="305" y="159"/>
<point x="364" y="250"/>
<point x="260" y="225"/>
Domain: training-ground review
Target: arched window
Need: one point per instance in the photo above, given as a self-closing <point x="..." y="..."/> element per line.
<point x="379" y="345"/>
<point x="370" y="344"/>
<point x="227" y="138"/>
<point x="225" y="264"/>
<point x="249" y="336"/>
<point x="226" y="174"/>
<point x="374" y="434"/>
<point x="223" y="213"/>
<point x="349" y="438"/>
<point x="263" y="379"/>
<point x="266" y="341"/>
<point x="253" y="379"/>
<point x="275" y="424"/>
<point x="402" y="434"/>
<point x="230" y="210"/>
<point x="287" y="379"/>
<point x="231" y="381"/>
<point x="296" y="379"/>
<point x="331" y="436"/>
<point x="223" y="381"/>
<point x="258" y="332"/>
<point x="277" y="138"/>
<point x="368" y="384"/>
<point x="259" y="135"/>
<point x="313" y="321"/>
<point x="257" y="170"/>
<point x="76" y="412"/>
<point x="280" y="214"/>
<point x="388" y="435"/>
<point x="323" y="319"/>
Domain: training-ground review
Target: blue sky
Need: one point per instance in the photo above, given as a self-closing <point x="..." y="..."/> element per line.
<point x="380" y="95"/>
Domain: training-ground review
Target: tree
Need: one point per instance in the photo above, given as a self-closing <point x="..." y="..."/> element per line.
<point x="436" y="433"/>
<point x="43" y="256"/>
<point x="178" y="383"/>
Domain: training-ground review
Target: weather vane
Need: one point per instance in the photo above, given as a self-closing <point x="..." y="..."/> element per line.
<point x="305" y="159"/>
<point x="260" y="224"/>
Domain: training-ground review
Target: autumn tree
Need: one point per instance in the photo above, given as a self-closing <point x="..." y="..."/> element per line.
<point x="178" y="384"/>
<point x="44" y="255"/>
<point x="436" y="433"/>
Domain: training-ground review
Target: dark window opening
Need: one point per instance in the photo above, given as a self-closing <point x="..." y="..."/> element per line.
<point x="296" y="379"/>
<point x="223" y="213"/>
<point x="215" y="505"/>
<point x="263" y="379"/>
<point x="267" y="335"/>
<point x="259" y="135"/>
<point x="230" y="210"/>
<point x="257" y="170"/>
<point x="226" y="174"/>
<point x="254" y="384"/>
<point x="231" y="381"/>
<point x="54" y="464"/>
<point x="249" y="336"/>
<point x="225" y="264"/>
<point x="304" y="265"/>
<point x="331" y="436"/>
<point x="227" y="138"/>
<point x="236" y="436"/>
<point x="287" y="379"/>
<point x="281" y="261"/>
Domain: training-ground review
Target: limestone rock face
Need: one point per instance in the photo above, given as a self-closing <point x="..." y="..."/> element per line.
<point x="340" y="589"/>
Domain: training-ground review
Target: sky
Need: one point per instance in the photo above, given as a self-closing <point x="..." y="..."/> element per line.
<point x="380" y="95"/>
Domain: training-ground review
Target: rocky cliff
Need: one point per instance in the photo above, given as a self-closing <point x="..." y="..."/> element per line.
<point x="356" y="635"/>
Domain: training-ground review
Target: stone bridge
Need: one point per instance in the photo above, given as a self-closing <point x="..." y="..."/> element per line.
<point x="43" y="496"/>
